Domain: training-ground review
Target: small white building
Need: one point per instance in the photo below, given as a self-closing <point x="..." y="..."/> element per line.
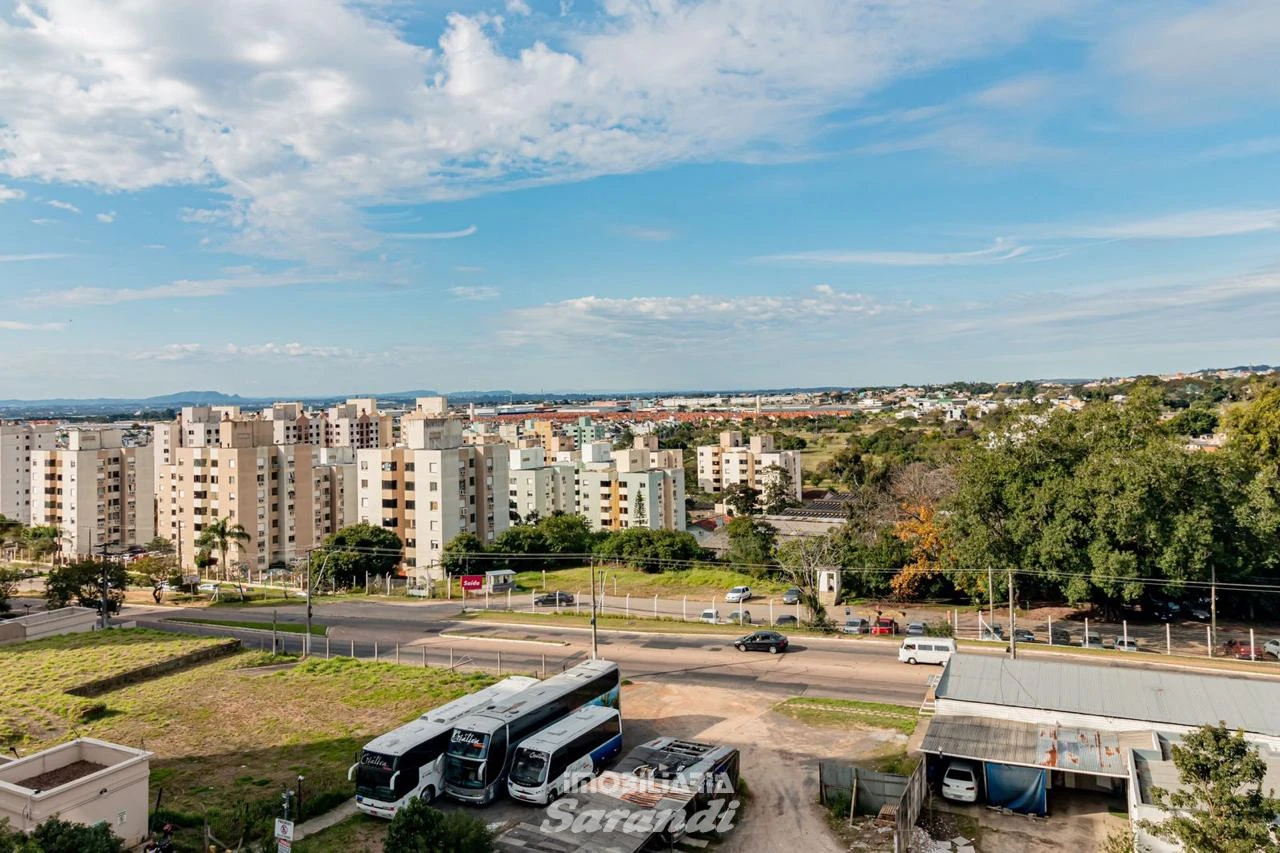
<point x="84" y="781"/>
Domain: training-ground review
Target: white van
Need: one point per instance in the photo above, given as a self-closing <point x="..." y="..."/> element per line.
<point x="926" y="650"/>
<point x="711" y="615"/>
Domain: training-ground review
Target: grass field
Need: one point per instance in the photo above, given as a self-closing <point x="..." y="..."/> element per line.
<point x="282" y="627"/>
<point x="700" y="582"/>
<point x="842" y="713"/>
<point x="227" y="736"/>
<point x="362" y="833"/>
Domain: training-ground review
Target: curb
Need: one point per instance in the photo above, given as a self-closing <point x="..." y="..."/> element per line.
<point x="453" y="636"/>
<point x="226" y="627"/>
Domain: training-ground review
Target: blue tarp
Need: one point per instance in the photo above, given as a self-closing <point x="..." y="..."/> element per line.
<point x="1021" y="789"/>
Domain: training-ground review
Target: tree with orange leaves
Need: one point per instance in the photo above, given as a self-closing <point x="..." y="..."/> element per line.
<point x="917" y="527"/>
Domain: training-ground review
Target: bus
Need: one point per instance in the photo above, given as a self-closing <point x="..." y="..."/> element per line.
<point x="406" y="763"/>
<point x="565" y="754"/>
<point x="482" y="745"/>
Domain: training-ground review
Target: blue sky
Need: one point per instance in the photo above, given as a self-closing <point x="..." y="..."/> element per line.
<point x="315" y="197"/>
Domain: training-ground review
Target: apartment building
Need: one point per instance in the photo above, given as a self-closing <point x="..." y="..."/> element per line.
<point x="433" y="486"/>
<point x="583" y="431"/>
<point x="288" y="497"/>
<point x="754" y="464"/>
<point x="17" y="442"/>
<point x="98" y="492"/>
<point x="639" y="487"/>
<point x="538" y="488"/>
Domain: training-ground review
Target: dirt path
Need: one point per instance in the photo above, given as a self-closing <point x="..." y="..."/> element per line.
<point x="779" y="758"/>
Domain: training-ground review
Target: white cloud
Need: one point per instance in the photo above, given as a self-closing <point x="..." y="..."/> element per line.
<point x="302" y="114"/>
<point x="229" y="352"/>
<point x="1220" y="222"/>
<point x="1001" y="251"/>
<point x="64" y="205"/>
<point x="154" y="246"/>
<point x="180" y="289"/>
<point x="639" y="232"/>
<point x="43" y="256"/>
<point x="470" y="293"/>
<point x="18" y="326"/>
<point x="518" y="7"/>
<point x="106" y="218"/>
<point x="11" y="194"/>
<point x="44" y="221"/>
<point x="1018" y="93"/>
<point x="468" y="269"/>
<point x="435" y="235"/>
<point x="170" y="352"/>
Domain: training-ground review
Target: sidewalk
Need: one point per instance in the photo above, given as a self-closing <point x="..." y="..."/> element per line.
<point x="326" y="820"/>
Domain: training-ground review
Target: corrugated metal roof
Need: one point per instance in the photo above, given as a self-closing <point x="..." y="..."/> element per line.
<point x="1125" y="692"/>
<point x="1010" y="742"/>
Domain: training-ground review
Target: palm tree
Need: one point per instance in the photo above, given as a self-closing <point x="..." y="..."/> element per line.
<point x="219" y="535"/>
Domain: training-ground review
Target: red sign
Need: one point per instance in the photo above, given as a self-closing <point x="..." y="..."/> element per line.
<point x="471" y="583"/>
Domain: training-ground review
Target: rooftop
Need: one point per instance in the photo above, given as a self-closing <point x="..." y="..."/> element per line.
<point x="1010" y="742"/>
<point x="1123" y="692"/>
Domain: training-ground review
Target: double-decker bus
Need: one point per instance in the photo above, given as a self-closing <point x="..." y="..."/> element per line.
<point x="483" y="744"/>
<point x="565" y="754"/>
<point x="408" y="762"/>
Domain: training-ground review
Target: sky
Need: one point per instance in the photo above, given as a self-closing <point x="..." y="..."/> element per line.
<point x="314" y="197"/>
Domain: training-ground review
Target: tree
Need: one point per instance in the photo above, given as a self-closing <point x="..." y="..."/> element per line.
<point x="567" y="534"/>
<point x="219" y="535"/>
<point x="461" y="552"/>
<point x="650" y="550"/>
<point x="640" y="516"/>
<point x="160" y="546"/>
<point x="519" y="540"/>
<point x="58" y="836"/>
<point x="345" y="557"/>
<point x="741" y="499"/>
<point x="779" y="491"/>
<point x="1194" y="421"/>
<point x="801" y="561"/>
<point x="919" y="531"/>
<point x="1220" y="806"/>
<point x="8" y="587"/>
<point x="157" y="571"/>
<point x="419" y="828"/>
<point x="752" y="542"/>
<point x="81" y="582"/>
<point x="41" y="541"/>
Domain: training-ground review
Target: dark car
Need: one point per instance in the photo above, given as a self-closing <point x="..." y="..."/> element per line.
<point x="113" y="604"/>
<point x="786" y="620"/>
<point x="554" y="599"/>
<point x="791" y="596"/>
<point x="1022" y="635"/>
<point x="856" y="626"/>
<point x="762" y="641"/>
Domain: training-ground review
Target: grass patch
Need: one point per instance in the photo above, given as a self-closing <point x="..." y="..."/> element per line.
<point x="846" y="712"/>
<point x="36" y="676"/>
<point x="897" y="763"/>
<point x="361" y="833"/>
<point x="703" y="583"/>
<point x="282" y="627"/>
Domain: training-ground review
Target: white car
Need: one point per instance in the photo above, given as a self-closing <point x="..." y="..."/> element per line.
<point x="1123" y="645"/>
<point x="1272" y="647"/>
<point x="738" y="594"/>
<point x="960" y="783"/>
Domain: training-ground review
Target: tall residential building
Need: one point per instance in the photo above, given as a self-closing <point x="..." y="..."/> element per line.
<point x="433" y="486"/>
<point x="538" y="488"/>
<point x="288" y="497"/>
<point x="754" y="464"/>
<point x="97" y="491"/>
<point x="17" y="442"/>
<point x="583" y="431"/>
<point x="356" y="423"/>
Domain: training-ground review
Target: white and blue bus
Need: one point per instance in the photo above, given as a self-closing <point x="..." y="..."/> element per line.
<point x="565" y="755"/>
<point x="408" y="762"/>
<point x="483" y="744"/>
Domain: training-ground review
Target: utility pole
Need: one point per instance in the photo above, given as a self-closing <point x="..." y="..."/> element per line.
<point x="1013" y="640"/>
<point x="306" y="643"/>
<point x="595" y="651"/>
<point x="991" y="604"/>
<point x="105" y="581"/>
<point x="1213" y="607"/>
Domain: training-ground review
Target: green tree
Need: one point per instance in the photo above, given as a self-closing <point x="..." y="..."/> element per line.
<point x="219" y="535"/>
<point x="346" y="556"/>
<point x="567" y="534"/>
<point x="779" y="490"/>
<point x="80" y="583"/>
<point x="650" y="550"/>
<point x="58" y="836"/>
<point x="1195" y="421"/>
<point x="518" y="541"/>
<point x="1253" y="429"/>
<point x="752" y="542"/>
<point x="801" y="561"/>
<point x="463" y="553"/>
<point x="41" y="541"/>
<point x="8" y="587"/>
<point x="160" y="546"/>
<point x="419" y="828"/>
<point x="741" y="499"/>
<point x="156" y="571"/>
<point x="1220" y="806"/>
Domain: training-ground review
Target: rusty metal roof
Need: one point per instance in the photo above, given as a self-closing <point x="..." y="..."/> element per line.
<point x="1027" y="744"/>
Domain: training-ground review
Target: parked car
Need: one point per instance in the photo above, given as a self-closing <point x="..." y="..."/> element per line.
<point x="1200" y="612"/>
<point x="993" y="632"/>
<point x="113" y="604"/>
<point x="856" y="626"/>
<point x="884" y="625"/>
<point x="791" y="596"/>
<point x="738" y="594"/>
<point x="787" y="620"/>
<point x="1060" y="637"/>
<point x="554" y="599"/>
<point x="960" y="782"/>
<point x="1123" y="645"/>
<point x="762" y="641"/>
<point x="740" y="617"/>
<point x="1243" y="651"/>
<point x="1023" y="635"/>
<point x="1091" y="640"/>
<point x="711" y="616"/>
<point x="915" y="629"/>
<point x="1167" y="611"/>
<point x="1272" y="647"/>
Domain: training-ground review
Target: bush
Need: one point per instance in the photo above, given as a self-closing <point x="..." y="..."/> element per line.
<point x="418" y="828"/>
<point x="939" y="628"/>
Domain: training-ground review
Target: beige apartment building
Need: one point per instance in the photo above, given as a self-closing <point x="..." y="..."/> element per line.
<point x="538" y="488"/>
<point x="356" y="423"/>
<point x="97" y="491"/>
<point x="17" y="442"/>
<point x="433" y="486"/>
<point x="288" y="497"/>
<point x="754" y="464"/>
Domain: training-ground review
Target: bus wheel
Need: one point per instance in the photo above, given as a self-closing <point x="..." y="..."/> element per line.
<point x="911" y="661"/>
<point x="429" y="794"/>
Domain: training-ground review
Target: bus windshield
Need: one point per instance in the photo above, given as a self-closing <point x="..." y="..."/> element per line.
<point x="468" y="744"/>
<point x="530" y="768"/>
<point x="373" y="776"/>
<point x="463" y="772"/>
